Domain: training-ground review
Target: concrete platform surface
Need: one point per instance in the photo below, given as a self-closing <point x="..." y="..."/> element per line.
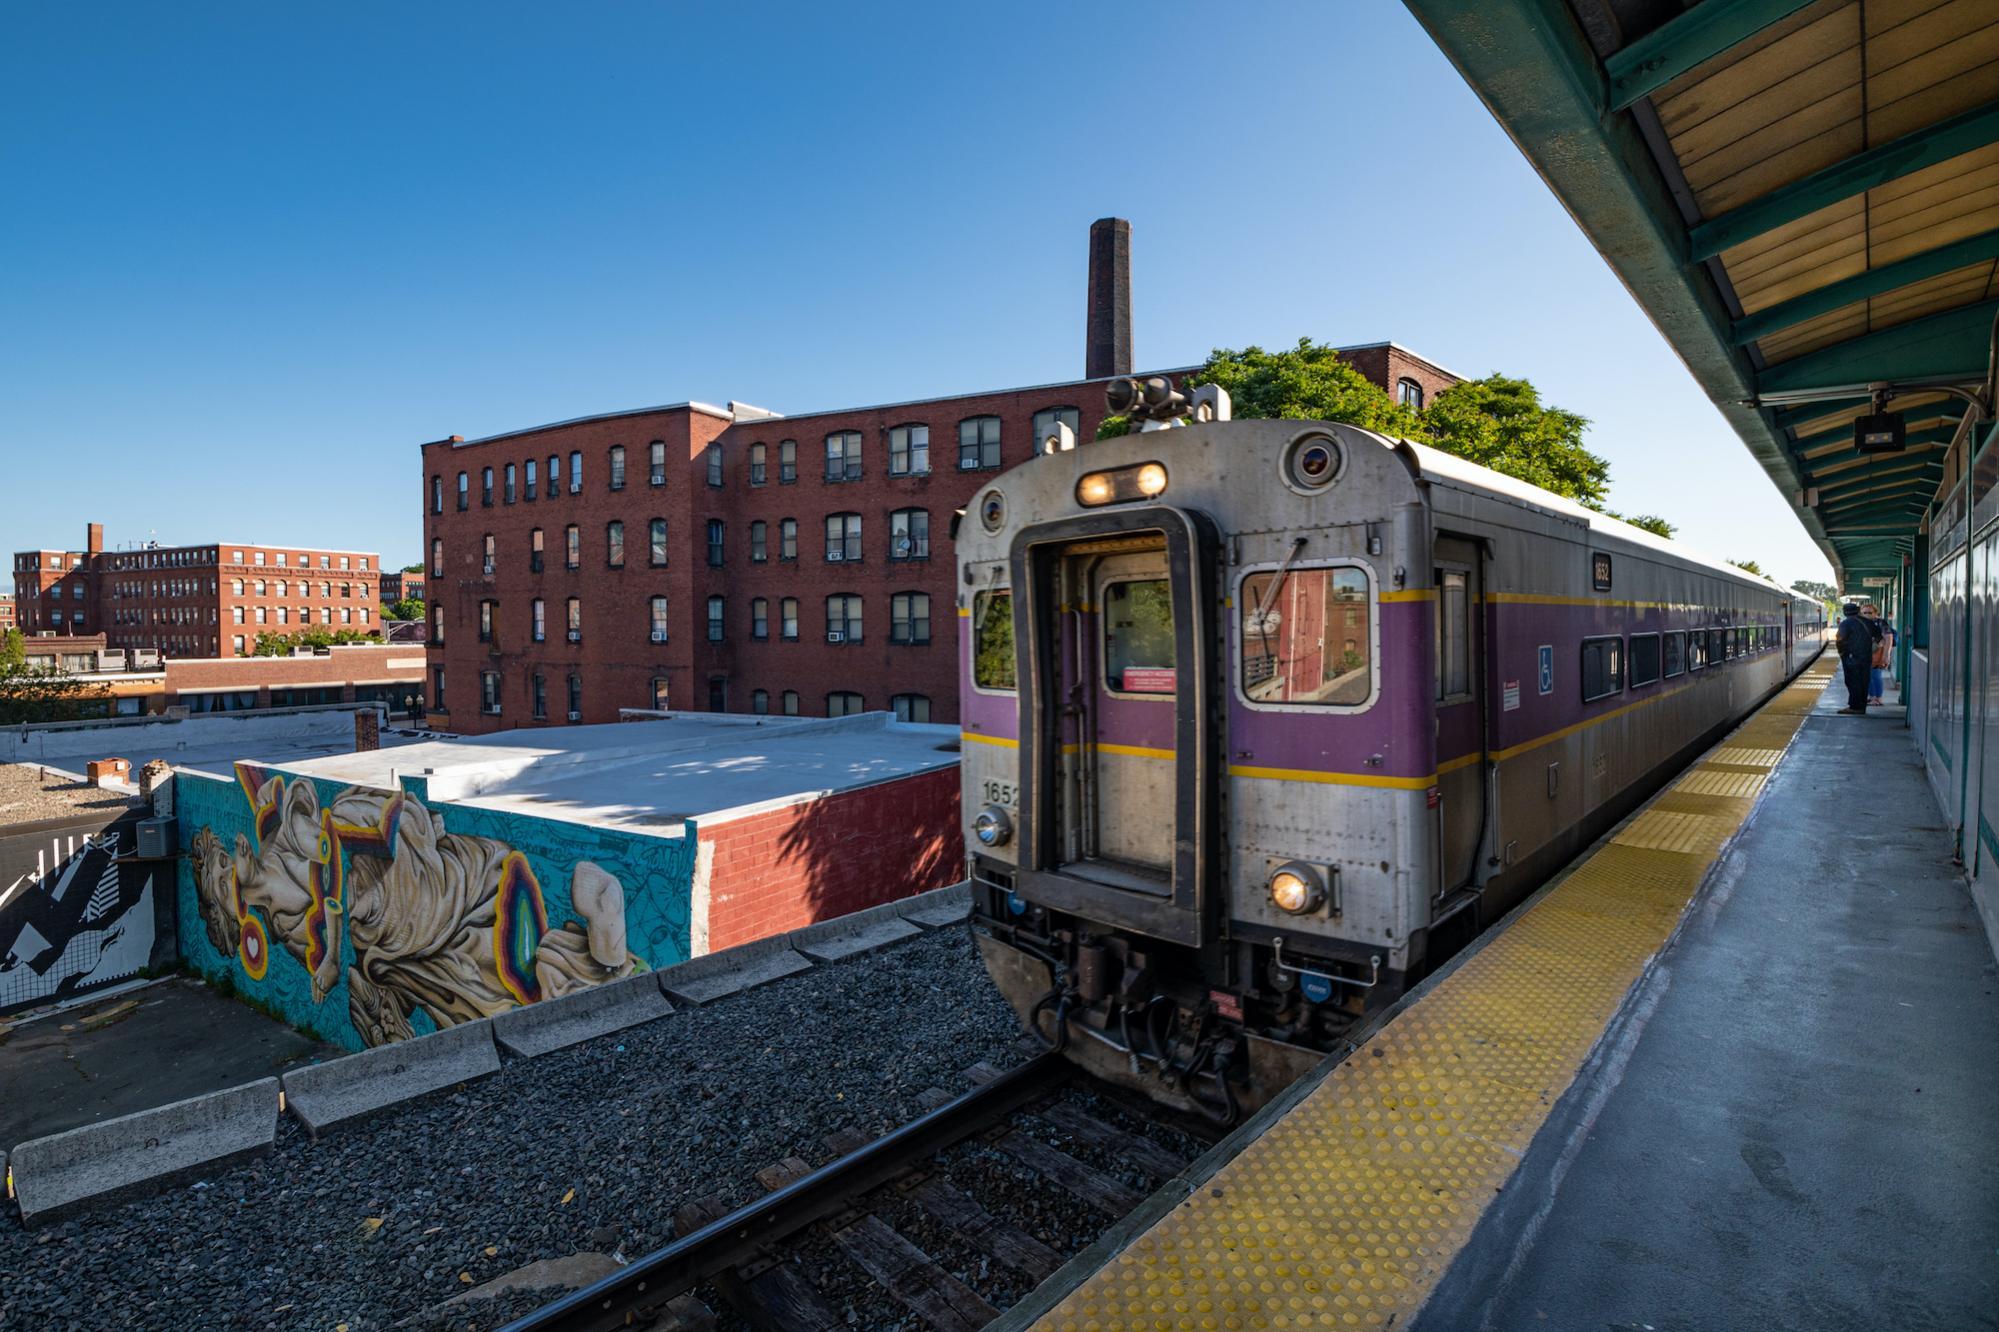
<point x="101" y="1060"/>
<point x="1796" y="1124"/>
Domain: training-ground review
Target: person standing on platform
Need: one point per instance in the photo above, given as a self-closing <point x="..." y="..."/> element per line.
<point x="1876" y="676"/>
<point x="1856" y="657"/>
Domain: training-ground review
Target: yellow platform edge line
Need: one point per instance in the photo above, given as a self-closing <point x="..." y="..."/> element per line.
<point x="1346" y="1212"/>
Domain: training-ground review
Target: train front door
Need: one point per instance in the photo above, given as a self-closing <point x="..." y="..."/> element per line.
<point x="1118" y="783"/>
<point x="1462" y="703"/>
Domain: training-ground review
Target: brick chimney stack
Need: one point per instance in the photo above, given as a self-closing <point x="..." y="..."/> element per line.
<point x="93" y="538"/>
<point x="1107" y="347"/>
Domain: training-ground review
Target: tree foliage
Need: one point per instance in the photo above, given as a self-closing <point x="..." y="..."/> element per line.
<point x="1805" y="587"/>
<point x="409" y="608"/>
<point x="1651" y="522"/>
<point x="44" y="694"/>
<point x="1748" y="566"/>
<point x="412" y="568"/>
<point x="1497" y="422"/>
<point x="272" y="644"/>
<point x="13" y="648"/>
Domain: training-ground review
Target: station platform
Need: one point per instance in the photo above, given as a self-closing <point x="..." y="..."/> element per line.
<point x="1739" y="1067"/>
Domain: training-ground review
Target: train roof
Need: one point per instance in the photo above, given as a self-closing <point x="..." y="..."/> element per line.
<point x="1435" y="464"/>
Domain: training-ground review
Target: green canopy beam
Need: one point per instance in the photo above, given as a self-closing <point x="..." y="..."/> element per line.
<point x="1874" y="282"/>
<point x="1937" y="434"/>
<point x="1842" y="180"/>
<point x="1698" y="34"/>
<point x="1949" y="345"/>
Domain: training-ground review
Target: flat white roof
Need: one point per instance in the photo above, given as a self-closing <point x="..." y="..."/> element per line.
<point x="653" y="775"/>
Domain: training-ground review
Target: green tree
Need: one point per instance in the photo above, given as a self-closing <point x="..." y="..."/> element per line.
<point x="409" y="608"/>
<point x="1748" y="566"/>
<point x="273" y="644"/>
<point x="44" y="694"/>
<point x="13" y="648"/>
<point x="1309" y="382"/>
<point x="412" y="568"/>
<point x="1825" y="592"/>
<point x="1651" y="522"/>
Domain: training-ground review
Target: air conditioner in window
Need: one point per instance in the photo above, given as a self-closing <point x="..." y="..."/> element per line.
<point x="835" y="636"/>
<point x="835" y="556"/>
<point x="576" y="716"/>
<point x="576" y="635"/>
<point x="659" y="635"/>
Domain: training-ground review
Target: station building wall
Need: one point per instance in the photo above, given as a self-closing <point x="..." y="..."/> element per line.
<point x="366" y="915"/>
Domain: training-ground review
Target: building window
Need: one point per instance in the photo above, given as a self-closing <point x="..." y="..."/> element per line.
<point x="534" y="550"/>
<point x="486" y="609"/>
<point x="1409" y="393"/>
<point x="485" y="494"/>
<point x="489" y="692"/>
<point x="258" y="559"/>
<point x="436" y="623"/>
<point x="787" y="462"/>
<point x="554" y="475"/>
<point x="1048" y="418"/>
<point x="715" y="463"/>
<point x="541" y="698"/>
<point x="528" y="481"/>
<point x="437" y="688"/>
<point x="656" y="463"/>
<point x="659" y="693"/>
<point x="507" y="485"/>
<point x="614" y="544"/>
<point x="575" y="619"/>
<point x="715" y="605"/>
<point x="759" y="541"/>
<point x="714" y="543"/>
<point x="843" y="703"/>
<point x="843" y="618"/>
<point x="284" y="615"/>
<point x="539" y="620"/>
<point x="464" y="502"/>
<point x="573" y="547"/>
<point x="978" y="443"/>
<point x="656" y="543"/>
<point x="843" y="455"/>
<point x="658" y="609"/>
<point x="790" y="703"/>
<point x="284" y="588"/>
<point x="787" y="623"/>
<point x="911" y="707"/>
<point x="843" y="537"/>
<point x="787" y="539"/>
<point x="487" y="561"/>
<point x="576" y="698"/>
<point x="759" y="618"/>
<point x="909" y="450"/>
<point x="758" y="465"/>
<point x="718" y="694"/>
<point x="909" y="534"/>
<point x="909" y="618"/>
<point x="437" y="494"/>
<point x="575" y="472"/>
<point x="760" y="701"/>
<point x="617" y="467"/>
<point x="236" y="644"/>
<point x="235" y="613"/>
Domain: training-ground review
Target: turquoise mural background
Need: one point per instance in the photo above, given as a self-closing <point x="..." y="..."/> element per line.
<point x="656" y="875"/>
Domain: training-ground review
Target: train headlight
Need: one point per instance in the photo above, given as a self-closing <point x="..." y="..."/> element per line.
<point x="1121" y="485"/>
<point x="993" y="826"/>
<point x="1095" y="489"/>
<point x="1151" y="479"/>
<point x="1297" y="888"/>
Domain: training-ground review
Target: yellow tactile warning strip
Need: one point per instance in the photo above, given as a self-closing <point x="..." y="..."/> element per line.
<point x="1348" y="1210"/>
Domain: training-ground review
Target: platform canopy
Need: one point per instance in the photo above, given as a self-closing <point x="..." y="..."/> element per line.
<point x="1805" y="199"/>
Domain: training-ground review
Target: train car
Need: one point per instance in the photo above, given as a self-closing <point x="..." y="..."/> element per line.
<point x="1263" y="719"/>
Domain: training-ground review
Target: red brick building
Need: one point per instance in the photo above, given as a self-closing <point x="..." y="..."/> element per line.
<point x="202" y="600"/>
<point x="725" y="559"/>
<point x="397" y="584"/>
<point x="6" y="611"/>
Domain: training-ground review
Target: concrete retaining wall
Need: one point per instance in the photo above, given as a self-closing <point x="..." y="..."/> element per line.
<point x="358" y="1085"/>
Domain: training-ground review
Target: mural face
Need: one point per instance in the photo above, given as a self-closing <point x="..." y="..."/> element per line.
<point x="426" y="928"/>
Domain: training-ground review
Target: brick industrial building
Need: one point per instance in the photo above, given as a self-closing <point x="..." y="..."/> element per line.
<point x="203" y="600"/>
<point x="728" y="559"/>
<point x="397" y="584"/>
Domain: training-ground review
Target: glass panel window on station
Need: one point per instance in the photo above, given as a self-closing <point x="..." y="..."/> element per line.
<point x="1602" y="668"/>
<point x="1644" y="660"/>
<point x="978" y="443"/>
<point x="992" y="640"/>
<point x="909" y="450"/>
<point x="844" y="703"/>
<point x="1307" y="637"/>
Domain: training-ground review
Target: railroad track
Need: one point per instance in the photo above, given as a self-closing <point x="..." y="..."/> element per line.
<point x="752" y="1259"/>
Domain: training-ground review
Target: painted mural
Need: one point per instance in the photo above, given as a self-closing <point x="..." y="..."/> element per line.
<point x="76" y="920"/>
<point x="367" y="916"/>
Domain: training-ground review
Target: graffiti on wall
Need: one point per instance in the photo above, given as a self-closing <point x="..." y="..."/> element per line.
<point x="364" y="917"/>
<point x="73" y="921"/>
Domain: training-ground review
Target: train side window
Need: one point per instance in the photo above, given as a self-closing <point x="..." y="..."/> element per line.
<point x="1673" y="654"/>
<point x="1696" y="649"/>
<point x="1139" y="651"/>
<point x="1603" y="668"/>
<point x="1717" y="646"/>
<point x="992" y="640"/>
<point x="1307" y="637"/>
<point x="1453" y="635"/>
<point x="1644" y="664"/>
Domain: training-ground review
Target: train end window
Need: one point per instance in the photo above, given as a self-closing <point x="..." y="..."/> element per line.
<point x="992" y="640"/>
<point x="1306" y="638"/>
<point x="1603" y="668"/>
<point x="1672" y="654"/>
<point x="1645" y="660"/>
<point x="1599" y="570"/>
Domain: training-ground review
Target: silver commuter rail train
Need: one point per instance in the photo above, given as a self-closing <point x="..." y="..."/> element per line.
<point x="1264" y="719"/>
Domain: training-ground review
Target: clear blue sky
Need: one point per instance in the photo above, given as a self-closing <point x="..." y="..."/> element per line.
<point x="255" y="254"/>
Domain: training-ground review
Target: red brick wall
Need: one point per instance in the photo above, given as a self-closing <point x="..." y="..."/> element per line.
<point x="808" y="862"/>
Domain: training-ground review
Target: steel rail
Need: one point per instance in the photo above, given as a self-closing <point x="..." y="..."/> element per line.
<point x="648" y="1283"/>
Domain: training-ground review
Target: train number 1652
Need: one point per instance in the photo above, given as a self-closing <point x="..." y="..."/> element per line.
<point x="1000" y="793"/>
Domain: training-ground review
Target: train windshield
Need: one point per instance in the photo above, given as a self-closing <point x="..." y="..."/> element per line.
<point x="1306" y="637"/>
<point x="992" y="640"/>
<point x="1138" y="636"/>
